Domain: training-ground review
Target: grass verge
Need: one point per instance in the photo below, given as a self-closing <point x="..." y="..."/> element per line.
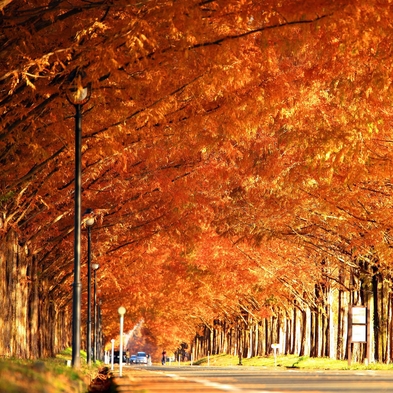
<point x="290" y="361"/>
<point x="50" y="375"/>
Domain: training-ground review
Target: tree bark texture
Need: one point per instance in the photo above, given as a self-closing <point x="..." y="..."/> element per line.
<point x="31" y="324"/>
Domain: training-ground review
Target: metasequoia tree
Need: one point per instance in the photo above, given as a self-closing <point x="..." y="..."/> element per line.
<point x="236" y="154"/>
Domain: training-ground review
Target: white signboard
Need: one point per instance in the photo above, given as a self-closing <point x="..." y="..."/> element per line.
<point x="359" y="315"/>
<point x="359" y="334"/>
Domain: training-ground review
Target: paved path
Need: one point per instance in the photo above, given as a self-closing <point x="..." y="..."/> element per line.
<point x="135" y="380"/>
<point x="249" y="380"/>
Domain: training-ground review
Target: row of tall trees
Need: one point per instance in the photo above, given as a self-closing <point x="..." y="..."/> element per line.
<point x="237" y="157"/>
<point x="318" y="326"/>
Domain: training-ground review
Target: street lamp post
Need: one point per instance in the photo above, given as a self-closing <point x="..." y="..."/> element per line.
<point x="89" y="223"/>
<point x="121" y="312"/>
<point x="95" y="267"/>
<point x="77" y="95"/>
<point x="99" y="329"/>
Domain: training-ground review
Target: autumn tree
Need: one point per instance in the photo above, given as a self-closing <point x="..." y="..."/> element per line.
<point x="236" y="154"/>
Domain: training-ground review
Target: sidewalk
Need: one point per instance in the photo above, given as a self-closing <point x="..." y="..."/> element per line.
<point x="144" y="381"/>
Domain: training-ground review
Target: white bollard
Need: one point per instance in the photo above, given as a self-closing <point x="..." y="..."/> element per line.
<point x="275" y="348"/>
<point x="113" y="352"/>
<point x="121" y="312"/>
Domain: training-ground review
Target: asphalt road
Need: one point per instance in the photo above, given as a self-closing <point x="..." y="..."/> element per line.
<point x="250" y="380"/>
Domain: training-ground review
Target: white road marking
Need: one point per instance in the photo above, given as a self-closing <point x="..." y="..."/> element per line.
<point x="219" y="386"/>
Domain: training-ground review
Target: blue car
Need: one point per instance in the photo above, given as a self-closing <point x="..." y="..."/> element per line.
<point x="141" y="358"/>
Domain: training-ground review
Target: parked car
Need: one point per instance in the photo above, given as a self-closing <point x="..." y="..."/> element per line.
<point x="132" y="359"/>
<point x="141" y="358"/>
<point x="116" y="357"/>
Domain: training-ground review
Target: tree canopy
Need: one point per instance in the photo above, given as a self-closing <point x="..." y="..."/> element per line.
<point x="229" y="148"/>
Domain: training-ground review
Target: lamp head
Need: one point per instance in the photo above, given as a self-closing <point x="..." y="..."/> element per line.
<point x="95" y="266"/>
<point x="121" y="310"/>
<point x="89" y="217"/>
<point x="78" y="91"/>
<point x="90" y="221"/>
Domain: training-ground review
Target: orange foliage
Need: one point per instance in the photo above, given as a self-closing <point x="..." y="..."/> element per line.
<point x="229" y="147"/>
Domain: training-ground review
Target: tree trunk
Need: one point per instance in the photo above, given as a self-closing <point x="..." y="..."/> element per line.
<point x="14" y="296"/>
<point x="375" y="316"/>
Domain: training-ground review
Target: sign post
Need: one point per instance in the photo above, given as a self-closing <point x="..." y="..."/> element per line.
<point x="357" y="331"/>
<point x="275" y="347"/>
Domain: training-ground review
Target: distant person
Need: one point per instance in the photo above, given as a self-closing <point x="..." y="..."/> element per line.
<point x="163" y="360"/>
